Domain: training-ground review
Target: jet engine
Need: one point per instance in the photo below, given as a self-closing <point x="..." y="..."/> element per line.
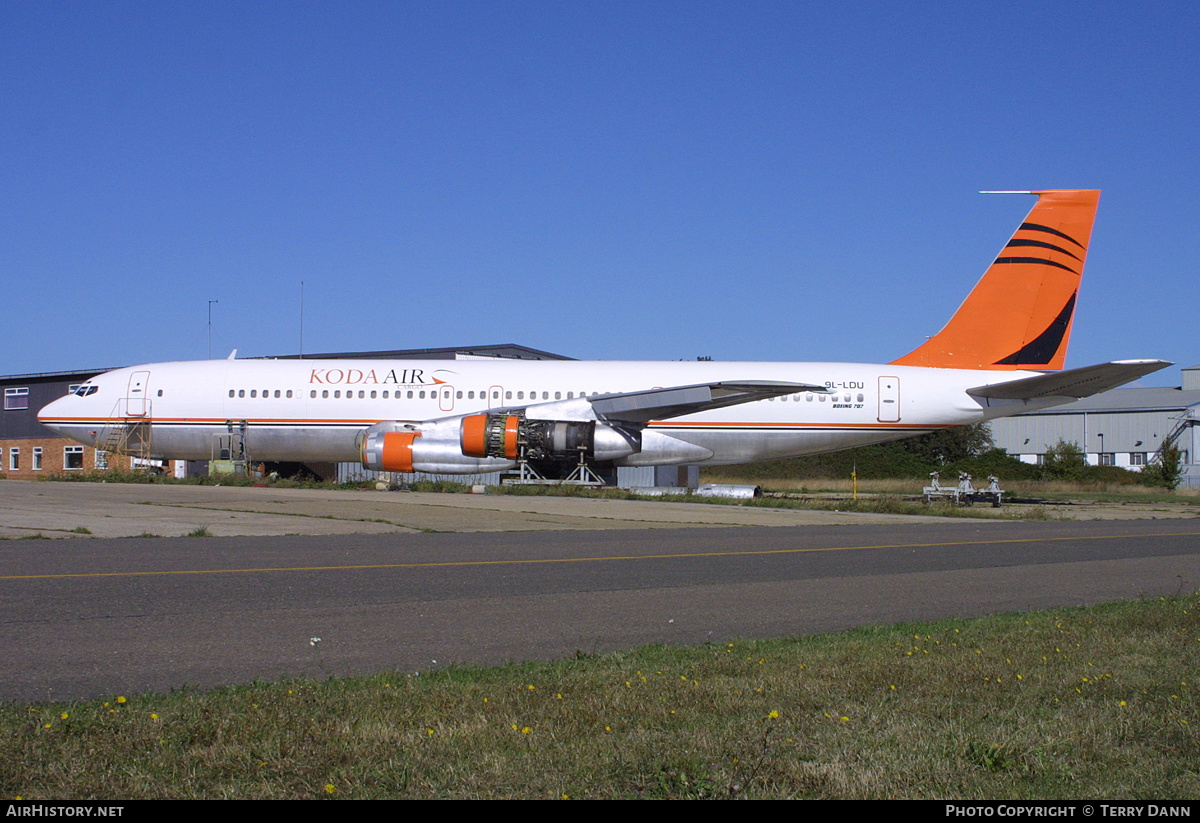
<point x="503" y="435"/>
<point x="490" y="442"/>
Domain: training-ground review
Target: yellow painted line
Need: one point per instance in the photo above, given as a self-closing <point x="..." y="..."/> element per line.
<point x="603" y="558"/>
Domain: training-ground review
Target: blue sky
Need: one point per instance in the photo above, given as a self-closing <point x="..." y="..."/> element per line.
<point x="653" y="180"/>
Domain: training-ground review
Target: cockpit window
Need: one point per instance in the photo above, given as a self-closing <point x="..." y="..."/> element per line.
<point x="84" y="390"/>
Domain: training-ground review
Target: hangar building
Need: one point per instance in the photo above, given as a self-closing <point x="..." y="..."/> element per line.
<point x="1122" y="427"/>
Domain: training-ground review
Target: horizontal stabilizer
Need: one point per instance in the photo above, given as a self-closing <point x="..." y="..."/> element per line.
<point x="659" y="404"/>
<point x="1065" y="386"/>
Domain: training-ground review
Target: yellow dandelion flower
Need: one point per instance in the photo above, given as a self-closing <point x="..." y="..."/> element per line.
<point x="330" y="788"/>
<point x="121" y="699"/>
<point x="429" y="731"/>
<point x="153" y="716"/>
<point x="526" y="730"/>
<point x="531" y="687"/>
<point x="774" y="715"/>
<point x="64" y="716"/>
<point x="845" y="719"/>
<point x="558" y="696"/>
<point x="45" y="725"/>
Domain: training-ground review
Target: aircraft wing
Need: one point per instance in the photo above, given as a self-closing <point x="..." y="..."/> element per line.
<point x="675" y="401"/>
<point x="640" y="407"/>
<point x="1064" y="386"/>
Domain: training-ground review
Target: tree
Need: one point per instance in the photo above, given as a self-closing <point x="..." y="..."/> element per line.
<point x="1168" y="470"/>
<point x="949" y="445"/>
<point x="1064" y="461"/>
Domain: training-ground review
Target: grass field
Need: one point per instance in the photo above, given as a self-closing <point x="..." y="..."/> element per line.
<point x="1081" y="703"/>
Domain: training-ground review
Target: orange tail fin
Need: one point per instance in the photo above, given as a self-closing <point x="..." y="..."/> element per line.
<point x="1019" y="314"/>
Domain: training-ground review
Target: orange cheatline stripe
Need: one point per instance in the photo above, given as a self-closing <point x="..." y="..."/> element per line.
<point x="605" y="558"/>
<point x="655" y="423"/>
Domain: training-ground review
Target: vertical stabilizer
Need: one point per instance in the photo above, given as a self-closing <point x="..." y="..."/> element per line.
<point x="1019" y="314"/>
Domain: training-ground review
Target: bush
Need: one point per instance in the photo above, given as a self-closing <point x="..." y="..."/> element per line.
<point x="1167" y="471"/>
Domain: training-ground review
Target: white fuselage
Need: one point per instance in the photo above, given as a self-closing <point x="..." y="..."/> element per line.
<point x="317" y="410"/>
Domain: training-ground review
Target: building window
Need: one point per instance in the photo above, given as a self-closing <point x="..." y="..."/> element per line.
<point x="73" y="458"/>
<point x="101" y="460"/>
<point x="14" y="460"/>
<point x="1040" y="459"/>
<point x="37" y="458"/>
<point x="1137" y="458"/>
<point x="1108" y="459"/>
<point x="15" y="399"/>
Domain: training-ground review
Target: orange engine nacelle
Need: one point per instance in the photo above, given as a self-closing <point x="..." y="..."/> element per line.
<point x="393" y="451"/>
<point x="490" y="435"/>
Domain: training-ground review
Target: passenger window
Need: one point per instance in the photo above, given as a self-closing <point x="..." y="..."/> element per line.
<point x="508" y="395"/>
<point x="808" y="397"/>
<point x="545" y="395"/>
<point x="289" y="392"/>
<point x="325" y="392"/>
<point x="337" y="393"/>
<point x="520" y="395"/>
<point x="312" y="393"/>
<point x="860" y="397"/>
<point x="422" y="395"/>
<point x="570" y="395"/>
<point x="231" y="392"/>
<point x="457" y="394"/>
<point x="241" y="392"/>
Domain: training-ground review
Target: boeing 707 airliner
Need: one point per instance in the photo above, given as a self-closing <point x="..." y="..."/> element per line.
<point x="1002" y="352"/>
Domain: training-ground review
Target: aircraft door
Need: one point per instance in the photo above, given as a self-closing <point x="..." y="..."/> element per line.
<point x="137" y="401"/>
<point x="445" y="397"/>
<point x="889" y="400"/>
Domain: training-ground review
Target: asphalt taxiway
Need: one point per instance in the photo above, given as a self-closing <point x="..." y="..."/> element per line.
<point x="81" y="618"/>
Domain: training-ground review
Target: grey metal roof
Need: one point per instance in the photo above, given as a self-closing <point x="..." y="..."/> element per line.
<point x="53" y="375"/>
<point x="511" y="350"/>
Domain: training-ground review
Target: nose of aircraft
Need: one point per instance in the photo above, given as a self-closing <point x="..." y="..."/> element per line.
<point x="51" y="412"/>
